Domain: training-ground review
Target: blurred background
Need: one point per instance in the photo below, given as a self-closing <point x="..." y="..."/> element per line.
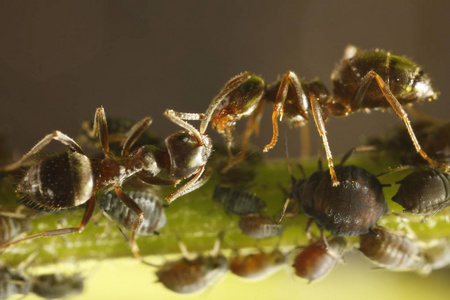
<point x="60" y="60"/>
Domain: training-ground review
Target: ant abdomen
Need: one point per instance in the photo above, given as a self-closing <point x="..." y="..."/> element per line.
<point x="391" y="251"/>
<point x="315" y="260"/>
<point x="151" y="205"/>
<point x="351" y="208"/>
<point x="424" y="192"/>
<point x="57" y="182"/>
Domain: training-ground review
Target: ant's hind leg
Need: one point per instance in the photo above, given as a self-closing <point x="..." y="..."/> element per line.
<point x="56" y="135"/>
<point x="398" y="108"/>
<point x="90" y="205"/>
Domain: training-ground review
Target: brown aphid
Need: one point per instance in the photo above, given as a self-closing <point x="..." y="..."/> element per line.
<point x="194" y="272"/>
<point x="352" y="208"/>
<point x="238" y="201"/>
<point x="424" y="192"/>
<point x="392" y="251"/>
<point x="315" y="261"/>
<point x="257" y="266"/>
<point x="57" y="285"/>
<point x="260" y="227"/>
<point x="71" y="179"/>
<point x="13" y="282"/>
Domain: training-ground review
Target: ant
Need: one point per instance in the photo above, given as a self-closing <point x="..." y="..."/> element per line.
<point x="362" y="81"/>
<point x="71" y="179"/>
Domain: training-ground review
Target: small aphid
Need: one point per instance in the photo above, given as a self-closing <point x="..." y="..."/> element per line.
<point x="260" y="227"/>
<point x="424" y="192"/>
<point x="57" y="285"/>
<point x="352" y="208"/>
<point x="315" y="260"/>
<point x="193" y="272"/>
<point x="12" y="282"/>
<point x="436" y="254"/>
<point x="391" y="251"/>
<point x="151" y="205"/>
<point x="257" y="266"/>
<point x="238" y="201"/>
<point x="12" y="226"/>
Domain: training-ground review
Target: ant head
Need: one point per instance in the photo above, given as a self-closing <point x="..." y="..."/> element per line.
<point x="237" y="101"/>
<point x="187" y="153"/>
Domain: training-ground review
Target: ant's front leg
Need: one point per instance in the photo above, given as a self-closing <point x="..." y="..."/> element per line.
<point x="134" y="134"/>
<point x="100" y="129"/>
<point x="179" y="119"/>
<point x="56" y="135"/>
<point x="196" y="182"/>
<point x="398" y="108"/>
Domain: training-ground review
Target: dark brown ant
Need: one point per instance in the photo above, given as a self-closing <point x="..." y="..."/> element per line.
<point x="71" y="179"/>
<point x="257" y="266"/>
<point x="193" y="272"/>
<point x="362" y="81"/>
<point x="315" y="260"/>
<point x="260" y="227"/>
<point x="350" y="209"/>
<point x="238" y="201"/>
<point x="424" y="192"/>
<point x="392" y="251"/>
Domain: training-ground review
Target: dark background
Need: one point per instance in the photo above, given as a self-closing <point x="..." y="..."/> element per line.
<point x="60" y="60"/>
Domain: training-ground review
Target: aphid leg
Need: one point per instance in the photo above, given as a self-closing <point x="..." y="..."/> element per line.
<point x="289" y="79"/>
<point x="193" y="184"/>
<point x="320" y="125"/>
<point x="56" y="135"/>
<point x="111" y="221"/>
<point x="134" y="134"/>
<point x="184" y="251"/>
<point x="140" y="218"/>
<point x="230" y="86"/>
<point x="308" y="229"/>
<point x="217" y="244"/>
<point x="90" y="205"/>
<point x="283" y="212"/>
<point x="100" y="128"/>
<point x="398" y="108"/>
<point x="179" y="119"/>
<point x="323" y="238"/>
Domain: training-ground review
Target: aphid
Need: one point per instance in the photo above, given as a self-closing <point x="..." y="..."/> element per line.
<point x="424" y="192"/>
<point x="362" y="81"/>
<point x="391" y="251"/>
<point x="259" y="227"/>
<point x="436" y="254"/>
<point x="352" y="208"/>
<point x="238" y="201"/>
<point x="257" y="266"/>
<point x="151" y="205"/>
<point x="12" y="225"/>
<point x="12" y="282"/>
<point x="57" y="285"/>
<point x="193" y="272"/>
<point x="71" y="179"/>
<point x="316" y="260"/>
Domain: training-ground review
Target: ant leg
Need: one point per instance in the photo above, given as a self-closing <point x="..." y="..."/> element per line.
<point x="140" y="218"/>
<point x="156" y="180"/>
<point x="100" y="128"/>
<point x="320" y="125"/>
<point x="230" y="86"/>
<point x="289" y="79"/>
<point x="190" y="186"/>
<point x="56" y="135"/>
<point x="179" y="119"/>
<point x="398" y="108"/>
<point x="90" y="205"/>
<point x="133" y="135"/>
<point x="352" y="150"/>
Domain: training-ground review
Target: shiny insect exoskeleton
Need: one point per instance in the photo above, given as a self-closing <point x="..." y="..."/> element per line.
<point x="57" y="285"/>
<point x="238" y="201"/>
<point x="71" y="179"/>
<point x="257" y="266"/>
<point x="424" y="192"/>
<point x="193" y="272"/>
<point x="148" y="201"/>
<point x="315" y="260"/>
<point x="12" y="282"/>
<point x="259" y="226"/>
<point x="12" y="225"/>
<point x="352" y="208"/>
<point x="362" y="81"/>
<point x="392" y="251"/>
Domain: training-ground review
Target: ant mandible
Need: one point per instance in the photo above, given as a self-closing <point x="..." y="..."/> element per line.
<point x="71" y="179"/>
<point x="363" y="80"/>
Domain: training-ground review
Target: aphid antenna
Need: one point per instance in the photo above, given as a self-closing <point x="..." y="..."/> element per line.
<point x="217" y="244"/>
